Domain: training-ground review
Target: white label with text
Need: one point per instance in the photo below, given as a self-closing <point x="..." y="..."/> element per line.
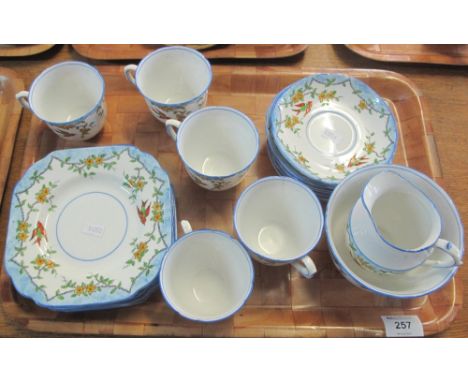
<point x="93" y="230"/>
<point x="403" y="326"/>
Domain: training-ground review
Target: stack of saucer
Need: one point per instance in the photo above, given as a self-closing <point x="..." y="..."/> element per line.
<point x="323" y="127"/>
<point x="89" y="228"/>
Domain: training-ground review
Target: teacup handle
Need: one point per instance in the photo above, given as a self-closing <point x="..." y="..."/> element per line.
<point x="450" y="249"/>
<point x="171" y="125"/>
<point x="22" y="97"/>
<point x="186" y="227"/>
<point x="305" y="267"/>
<point x="130" y="71"/>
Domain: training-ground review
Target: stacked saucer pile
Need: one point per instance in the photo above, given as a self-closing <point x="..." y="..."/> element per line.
<point x="323" y="127"/>
<point x="89" y="228"/>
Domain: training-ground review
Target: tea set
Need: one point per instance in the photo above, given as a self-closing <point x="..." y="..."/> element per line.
<point x="96" y="228"/>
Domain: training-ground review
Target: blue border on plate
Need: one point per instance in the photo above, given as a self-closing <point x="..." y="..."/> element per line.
<point x="101" y="299"/>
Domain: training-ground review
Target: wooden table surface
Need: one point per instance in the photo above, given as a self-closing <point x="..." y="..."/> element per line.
<point x="445" y="89"/>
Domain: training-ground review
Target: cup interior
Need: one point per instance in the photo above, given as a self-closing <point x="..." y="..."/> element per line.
<point x="66" y="92"/>
<point x="206" y="276"/>
<point x="402" y="214"/>
<point x="173" y="75"/>
<point x="218" y="141"/>
<point x="279" y="219"/>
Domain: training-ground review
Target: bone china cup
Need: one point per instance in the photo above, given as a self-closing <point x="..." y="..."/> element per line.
<point x="69" y="98"/>
<point x="206" y="275"/>
<point x="280" y="221"/>
<point x="174" y="81"/>
<point x="395" y="227"/>
<point x="217" y="145"/>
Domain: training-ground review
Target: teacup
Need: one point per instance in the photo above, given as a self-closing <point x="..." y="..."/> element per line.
<point x="395" y="227"/>
<point x="206" y="275"/>
<point x="69" y="98"/>
<point x="217" y="145"/>
<point x="174" y="81"/>
<point x="280" y="220"/>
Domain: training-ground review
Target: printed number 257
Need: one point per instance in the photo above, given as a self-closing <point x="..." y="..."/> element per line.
<point x="402" y="324"/>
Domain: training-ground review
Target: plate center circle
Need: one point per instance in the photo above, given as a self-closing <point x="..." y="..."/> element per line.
<point x="332" y="133"/>
<point x="92" y="226"/>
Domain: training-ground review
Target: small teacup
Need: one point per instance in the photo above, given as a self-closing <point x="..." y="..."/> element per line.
<point x="69" y="98"/>
<point x="217" y="145"/>
<point x="280" y="220"/>
<point x="394" y="227"/>
<point x="174" y="81"/>
<point x="206" y="275"/>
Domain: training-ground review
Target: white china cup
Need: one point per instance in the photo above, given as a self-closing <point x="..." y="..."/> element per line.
<point x="280" y="220"/>
<point x="206" y="275"/>
<point x="174" y="81"/>
<point x="418" y="282"/>
<point x="217" y="145"/>
<point x="69" y="98"/>
<point x="395" y="227"/>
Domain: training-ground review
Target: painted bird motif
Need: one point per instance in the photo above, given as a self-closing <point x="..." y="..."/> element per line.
<point x="143" y="211"/>
<point x="38" y="233"/>
<point x="303" y="107"/>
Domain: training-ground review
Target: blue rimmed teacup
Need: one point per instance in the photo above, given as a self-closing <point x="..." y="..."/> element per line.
<point x="206" y="275"/>
<point x="217" y="144"/>
<point x="280" y="221"/>
<point x="69" y="98"/>
<point x="174" y="81"/>
<point x="395" y="227"/>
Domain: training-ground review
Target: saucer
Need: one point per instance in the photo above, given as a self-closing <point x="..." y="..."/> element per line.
<point x="89" y="227"/>
<point x="417" y="282"/>
<point x="328" y="125"/>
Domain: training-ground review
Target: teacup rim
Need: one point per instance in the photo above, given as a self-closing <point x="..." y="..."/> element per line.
<point x="242" y="250"/>
<point x="223" y="108"/>
<point x="158" y="51"/>
<point x="53" y="67"/>
<point x="308" y="190"/>
<point x="336" y="256"/>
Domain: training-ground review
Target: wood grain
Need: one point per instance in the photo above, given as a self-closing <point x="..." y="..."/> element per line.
<point x="446" y="54"/>
<point x="138" y="51"/>
<point x="10" y="112"/>
<point x="444" y="90"/>
<point x="23" y="50"/>
<point x="283" y="303"/>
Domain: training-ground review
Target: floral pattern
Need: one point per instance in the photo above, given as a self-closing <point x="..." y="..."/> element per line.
<point x="179" y="111"/>
<point x="83" y="129"/>
<point x="296" y="107"/>
<point x="216" y="183"/>
<point x="35" y="264"/>
<point x="359" y="258"/>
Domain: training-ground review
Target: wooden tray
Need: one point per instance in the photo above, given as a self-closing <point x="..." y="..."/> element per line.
<point x="10" y="112"/>
<point x="283" y="303"/>
<point x="136" y="51"/>
<point x="23" y="50"/>
<point x="454" y="54"/>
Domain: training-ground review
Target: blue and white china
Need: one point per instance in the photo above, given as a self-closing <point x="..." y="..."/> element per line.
<point x="279" y="220"/>
<point x="416" y="282"/>
<point x="395" y="227"/>
<point x="217" y="144"/>
<point x="324" y="127"/>
<point x="69" y="98"/>
<point x="207" y="275"/>
<point x="89" y="228"/>
<point x="174" y="81"/>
